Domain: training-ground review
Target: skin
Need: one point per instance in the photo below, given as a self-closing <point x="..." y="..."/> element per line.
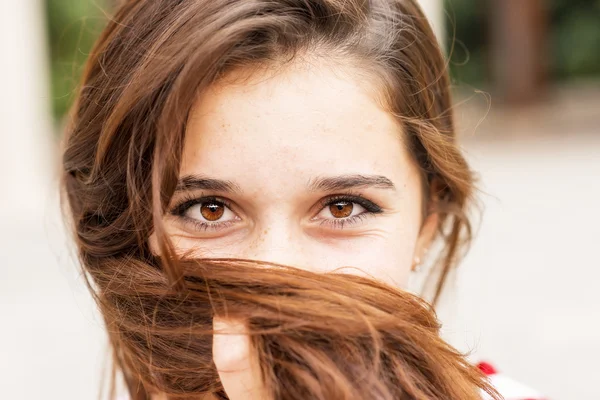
<point x="279" y="156"/>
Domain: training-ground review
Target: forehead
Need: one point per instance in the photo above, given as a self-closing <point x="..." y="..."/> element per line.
<point x="294" y="124"/>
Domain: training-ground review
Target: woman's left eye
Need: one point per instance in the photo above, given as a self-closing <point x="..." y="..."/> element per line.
<point x="342" y="210"/>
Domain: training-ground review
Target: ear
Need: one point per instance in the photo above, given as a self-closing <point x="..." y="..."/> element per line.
<point x="426" y="235"/>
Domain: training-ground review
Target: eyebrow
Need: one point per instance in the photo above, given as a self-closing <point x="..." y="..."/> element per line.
<point x="345" y="182"/>
<point x="321" y="184"/>
<point x="199" y="182"/>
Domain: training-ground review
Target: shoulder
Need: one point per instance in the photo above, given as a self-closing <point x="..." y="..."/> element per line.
<point x="509" y="388"/>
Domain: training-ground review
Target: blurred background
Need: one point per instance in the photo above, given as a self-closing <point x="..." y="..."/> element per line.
<point x="527" y="79"/>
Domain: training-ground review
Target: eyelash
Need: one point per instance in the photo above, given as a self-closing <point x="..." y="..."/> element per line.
<point x="339" y="223"/>
<point x="371" y="209"/>
<point x="180" y="209"/>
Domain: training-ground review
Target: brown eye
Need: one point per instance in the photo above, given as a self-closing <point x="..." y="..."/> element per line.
<point x="341" y="209"/>
<point x="212" y="211"/>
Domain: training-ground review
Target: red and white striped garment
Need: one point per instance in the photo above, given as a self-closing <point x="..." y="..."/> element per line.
<point x="507" y="387"/>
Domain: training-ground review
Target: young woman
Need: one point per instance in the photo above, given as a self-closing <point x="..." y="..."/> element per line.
<point x="275" y="168"/>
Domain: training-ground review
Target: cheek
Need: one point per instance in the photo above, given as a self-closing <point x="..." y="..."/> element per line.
<point x="386" y="256"/>
<point x="231" y="247"/>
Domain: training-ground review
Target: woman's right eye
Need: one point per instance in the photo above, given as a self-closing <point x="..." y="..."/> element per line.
<point x="205" y="213"/>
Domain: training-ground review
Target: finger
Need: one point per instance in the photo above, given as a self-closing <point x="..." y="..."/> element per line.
<point x="236" y="361"/>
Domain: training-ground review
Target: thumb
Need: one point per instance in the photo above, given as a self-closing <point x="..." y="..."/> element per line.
<point x="236" y="361"/>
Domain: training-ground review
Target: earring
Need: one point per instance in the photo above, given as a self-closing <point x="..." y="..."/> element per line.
<point x="416" y="264"/>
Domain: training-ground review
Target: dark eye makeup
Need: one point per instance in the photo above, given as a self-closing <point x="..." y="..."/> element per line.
<point x="351" y="198"/>
<point x="187" y="202"/>
<point x="370" y="209"/>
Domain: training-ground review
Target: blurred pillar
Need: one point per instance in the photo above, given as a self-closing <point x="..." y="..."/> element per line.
<point x="518" y="49"/>
<point x="434" y="10"/>
<point x="25" y="124"/>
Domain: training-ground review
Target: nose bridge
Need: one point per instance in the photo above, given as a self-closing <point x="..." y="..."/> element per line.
<point x="279" y="241"/>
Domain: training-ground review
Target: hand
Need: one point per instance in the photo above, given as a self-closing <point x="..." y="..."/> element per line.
<point x="236" y="361"/>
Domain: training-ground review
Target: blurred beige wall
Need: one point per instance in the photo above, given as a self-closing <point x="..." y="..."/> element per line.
<point x="25" y="122"/>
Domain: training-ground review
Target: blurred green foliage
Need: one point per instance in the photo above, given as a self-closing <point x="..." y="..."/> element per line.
<point x="575" y="37"/>
<point x="73" y="26"/>
<point x="573" y="41"/>
<point x="466" y="39"/>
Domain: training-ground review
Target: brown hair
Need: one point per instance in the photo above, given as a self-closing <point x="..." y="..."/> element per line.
<point x="121" y="164"/>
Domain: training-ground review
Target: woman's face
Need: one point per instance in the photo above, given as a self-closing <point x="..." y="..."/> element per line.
<point x="301" y="168"/>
